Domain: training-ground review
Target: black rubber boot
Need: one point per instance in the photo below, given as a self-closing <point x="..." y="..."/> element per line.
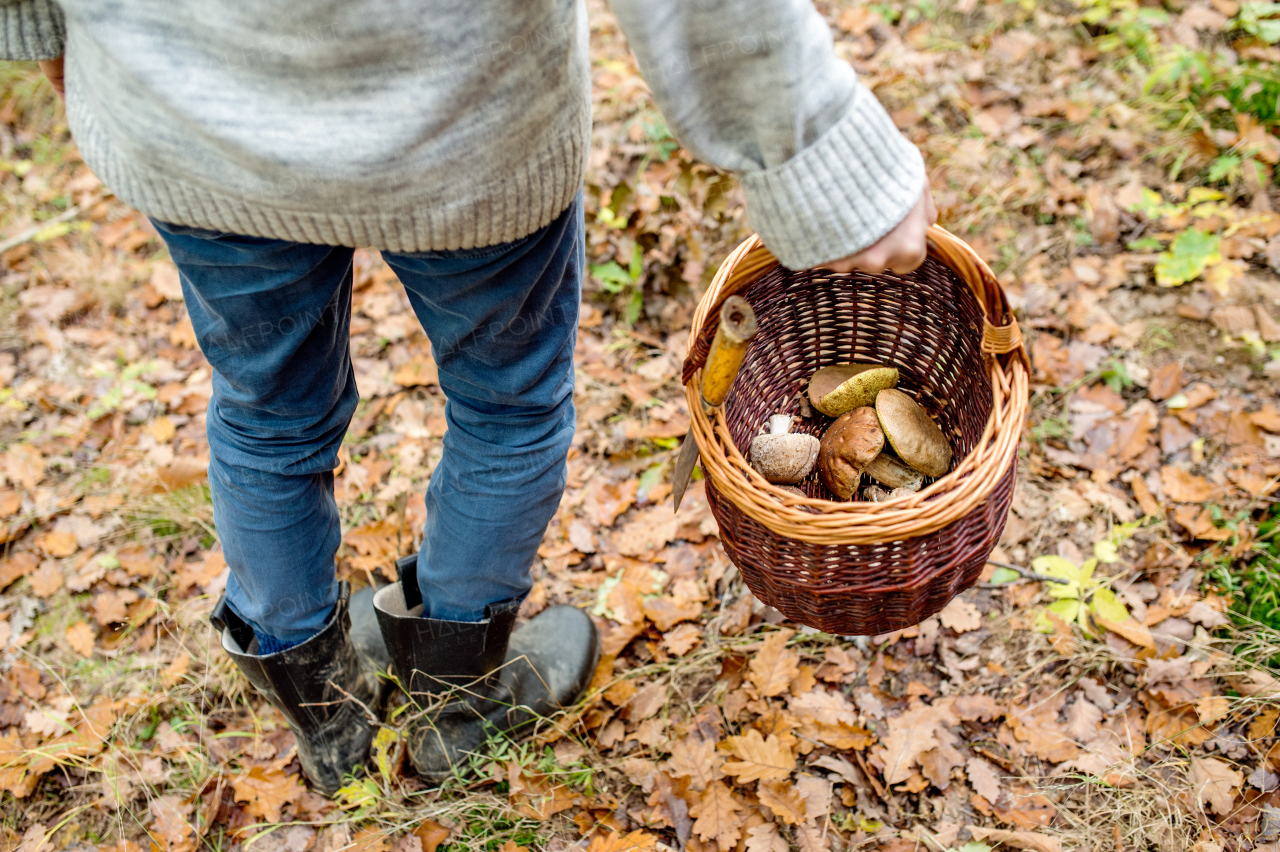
<point x="470" y="680"/>
<point x="326" y="688"/>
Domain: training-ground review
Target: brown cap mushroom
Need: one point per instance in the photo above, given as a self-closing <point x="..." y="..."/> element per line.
<point x="781" y="457"/>
<point x="840" y="388"/>
<point x="888" y="470"/>
<point x="912" y="433"/>
<point x="847" y="447"/>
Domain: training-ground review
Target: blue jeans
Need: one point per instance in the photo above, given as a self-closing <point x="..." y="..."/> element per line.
<point x="273" y="319"/>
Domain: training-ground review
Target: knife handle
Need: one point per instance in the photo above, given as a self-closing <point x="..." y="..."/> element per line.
<point x="737" y="327"/>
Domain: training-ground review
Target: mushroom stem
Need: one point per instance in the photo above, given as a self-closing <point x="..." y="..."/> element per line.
<point x="779" y="424"/>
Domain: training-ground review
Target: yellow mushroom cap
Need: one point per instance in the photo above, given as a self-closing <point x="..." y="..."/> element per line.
<point x="840" y="388"/>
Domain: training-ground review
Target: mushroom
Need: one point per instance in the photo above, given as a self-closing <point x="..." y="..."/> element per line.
<point x="876" y="494"/>
<point x="782" y="457"/>
<point x="888" y="470"/>
<point x="840" y="388"/>
<point x="912" y="433"/>
<point x="848" y="447"/>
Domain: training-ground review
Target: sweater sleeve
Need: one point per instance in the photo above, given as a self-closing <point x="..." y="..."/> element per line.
<point x="754" y="86"/>
<point x="30" y="29"/>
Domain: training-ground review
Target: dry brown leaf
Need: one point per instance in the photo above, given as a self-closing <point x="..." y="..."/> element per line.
<point x="697" y="760"/>
<point x="783" y="799"/>
<point x="417" y="372"/>
<point x="1182" y="487"/>
<point x="57" y="543"/>
<point x="765" y="838"/>
<point x="16" y="566"/>
<point x="774" y="665"/>
<point x="1215" y="783"/>
<point x="682" y="640"/>
<point x="111" y="607"/>
<point x="431" y="834"/>
<point x="667" y="611"/>
<point x="910" y="735"/>
<point x="647" y="701"/>
<point x="825" y="707"/>
<point x="983" y="778"/>
<point x="24" y="465"/>
<point x="716" y="813"/>
<point x="171" y="827"/>
<point x="1029" y="840"/>
<point x="758" y="758"/>
<point x="1083" y="719"/>
<point x="266" y="791"/>
<point x="960" y="616"/>
<point x="80" y="638"/>
<point x="615" y="841"/>
<point x="162" y="429"/>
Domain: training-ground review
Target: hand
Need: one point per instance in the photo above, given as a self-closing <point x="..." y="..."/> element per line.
<point x="52" y="68"/>
<point x="902" y="249"/>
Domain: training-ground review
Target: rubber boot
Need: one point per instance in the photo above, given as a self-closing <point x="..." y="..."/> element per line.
<point x="470" y="680"/>
<point x="326" y="689"/>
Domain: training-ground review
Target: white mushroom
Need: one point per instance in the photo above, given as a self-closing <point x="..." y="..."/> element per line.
<point x="889" y="471"/>
<point x="781" y="457"/>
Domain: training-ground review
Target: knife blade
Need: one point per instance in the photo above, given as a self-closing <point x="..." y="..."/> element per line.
<point x="728" y="348"/>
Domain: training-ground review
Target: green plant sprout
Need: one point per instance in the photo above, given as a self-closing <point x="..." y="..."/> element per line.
<point x="1082" y="597"/>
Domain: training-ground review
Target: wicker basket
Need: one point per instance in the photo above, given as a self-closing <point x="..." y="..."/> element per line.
<point x="865" y="568"/>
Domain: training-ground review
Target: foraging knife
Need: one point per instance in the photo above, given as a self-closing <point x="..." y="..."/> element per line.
<point x="737" y="327"/>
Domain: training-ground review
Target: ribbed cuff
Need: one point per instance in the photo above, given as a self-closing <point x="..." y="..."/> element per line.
<point x="31" y="29"/>
<point x="839" y="195"/>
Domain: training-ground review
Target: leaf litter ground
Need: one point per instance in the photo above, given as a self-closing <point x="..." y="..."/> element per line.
<point x="1108" y="685"/>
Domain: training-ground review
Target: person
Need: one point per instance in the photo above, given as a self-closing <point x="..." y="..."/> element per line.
<point x="266" y="139"/>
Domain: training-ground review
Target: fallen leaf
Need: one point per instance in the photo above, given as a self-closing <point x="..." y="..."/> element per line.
<point x="80" y="638"/>
<point x="758" y="758"/>
<point x="417" y="372"/>
<point x="1029" y="840"/>
<point x="960" y="616"/>
<point x="266" y="791"/>
<point x="57" y="543"/>
<point x="170" y="825"/>
<point x="716" y="813"/>
<point x="24" y="465"/>
<point x="774" y="665"/>
<point x="682" y="640"/>
<point x="615" y="841"/>
<point x="983" y="778"/>
<point x="1215" y="783"/>
<point x="1182" y="487"/>
<point x="784" y="799"/>
<point x="16" y="566"/>
<point x="765" y="838"/>
<point x="911" y="734"/>
<point x="697" y="760"/>
<point x="432" y="834"/>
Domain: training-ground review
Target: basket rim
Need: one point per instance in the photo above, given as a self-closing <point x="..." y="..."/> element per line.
<point x="943" y="502"/>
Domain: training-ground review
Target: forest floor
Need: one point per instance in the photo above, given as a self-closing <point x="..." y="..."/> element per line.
<point x="1113" y="161"/>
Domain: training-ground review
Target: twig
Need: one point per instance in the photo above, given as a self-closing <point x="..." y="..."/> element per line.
<point x="66" y="215"/>
<point x="1025" y="574"/>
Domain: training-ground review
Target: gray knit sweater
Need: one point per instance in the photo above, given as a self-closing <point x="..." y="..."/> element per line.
<point x="416" y="125"/>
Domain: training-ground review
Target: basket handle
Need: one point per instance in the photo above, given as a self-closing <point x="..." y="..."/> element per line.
<point x="1000" y="332"/>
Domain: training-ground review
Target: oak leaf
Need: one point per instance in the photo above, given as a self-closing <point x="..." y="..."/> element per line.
<point x="24" y="465"/>
<point x="784" y="799"/>
<point x="960" y="616"/>
<point x="910" y="735"/>
<point x="983" y="778"/>
<point x="682" y="640"/>
<point x="697" y="760"/>
<point x="18" y="565"/>
<point x="57" y="543"/>
<point x="716" y="816"/>
<point x="266" y="791"/>
<point x="80" y="638"/>
<point x="1083" y="719"/>
<point x="765" y="838"/>
<point x="47" y="579"/>
<point x="431" y="834"/>
<point x="1182" y="487"/>
<point x="615" y="841"/>
<point x="774" y="665"/>
<point x="667" y="611"/>
<point x="758" y="758"/>
<point x="822" y="706"/>
<point x="1216" y="783"/>
<point x="1029" y="840"/>
<point x="171" y="825"/>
